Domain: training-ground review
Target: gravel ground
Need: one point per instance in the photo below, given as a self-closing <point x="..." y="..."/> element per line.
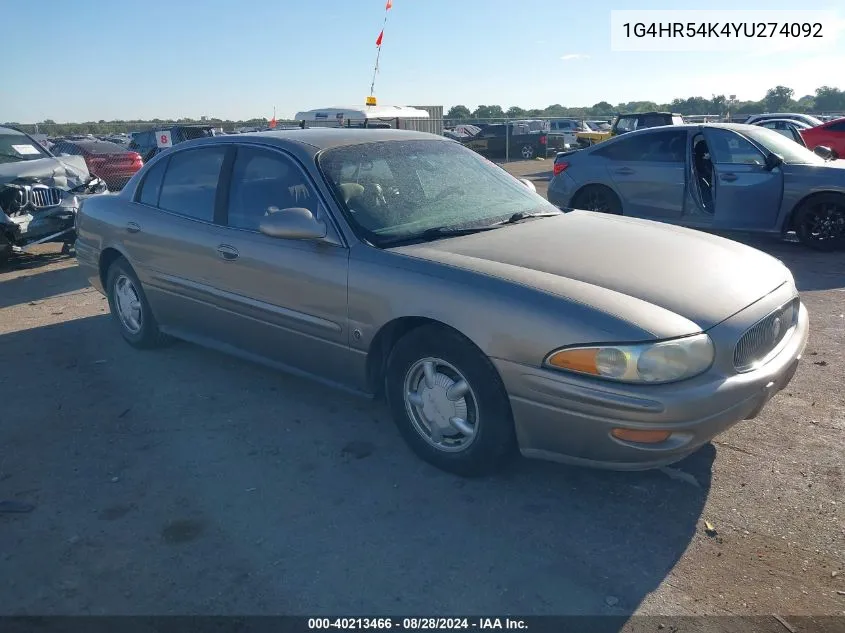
<point x="182" y="481"/>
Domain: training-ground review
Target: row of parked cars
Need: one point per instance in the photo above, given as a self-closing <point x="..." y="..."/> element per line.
<point x="759" y="176"/>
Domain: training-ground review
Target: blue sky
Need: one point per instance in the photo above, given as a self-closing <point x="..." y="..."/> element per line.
<point x="101" y="59"/>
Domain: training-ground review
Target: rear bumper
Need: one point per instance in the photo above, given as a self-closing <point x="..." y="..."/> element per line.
<point x="566" y="418"/>
<point x="561" y="189"/>
<point x="88" y="261"/>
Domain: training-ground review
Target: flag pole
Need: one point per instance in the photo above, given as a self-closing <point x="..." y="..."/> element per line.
<point x="387" y="8"/>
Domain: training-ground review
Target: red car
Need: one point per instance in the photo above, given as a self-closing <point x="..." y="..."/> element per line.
<point x="111" y="162"/>
<point x="830" y="134"/>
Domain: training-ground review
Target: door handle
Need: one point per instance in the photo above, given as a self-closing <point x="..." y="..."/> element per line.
<point x="227" y="252"/>
<point x="133" y="227"/>
<point x="625" y="171"/>
<point x="728" y="177"/>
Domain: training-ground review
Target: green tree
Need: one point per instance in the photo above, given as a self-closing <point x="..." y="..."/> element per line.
<point x="806" y="103"/>
<point x="488" y="112"/>
<point x="778" y="99"/>
<point x="458" y="112"/>
<point x="829" y="99"/>
<point x="515" y="112"/>
<point x="600" y="108"/>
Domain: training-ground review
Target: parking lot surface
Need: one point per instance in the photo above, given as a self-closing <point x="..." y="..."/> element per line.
<point x="184" y="481"/>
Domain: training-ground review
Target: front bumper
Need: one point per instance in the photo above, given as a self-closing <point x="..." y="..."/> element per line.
<point x="568" y="418"/>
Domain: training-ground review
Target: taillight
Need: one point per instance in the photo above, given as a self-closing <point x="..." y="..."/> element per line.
<point x="560" y="167"/>
<point x="543" y="140"/>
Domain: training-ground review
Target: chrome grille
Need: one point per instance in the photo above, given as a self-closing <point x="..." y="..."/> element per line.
<point x="763" y="337"/>
<point x="41" y="196"/>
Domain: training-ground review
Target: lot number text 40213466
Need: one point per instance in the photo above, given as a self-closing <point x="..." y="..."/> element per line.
<point x="417" y="624"/>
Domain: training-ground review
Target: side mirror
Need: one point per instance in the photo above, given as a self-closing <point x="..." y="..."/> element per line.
<point x="528" y="184"/>
<point x="825" y="152"/>
<point x="773" y="161"/>
<point x="294" y="223"/>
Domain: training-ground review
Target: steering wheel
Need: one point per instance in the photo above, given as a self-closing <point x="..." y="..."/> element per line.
<point x="374" y="194"/>
<point x="453" y="190"/>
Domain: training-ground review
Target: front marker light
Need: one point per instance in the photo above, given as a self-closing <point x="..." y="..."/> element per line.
<point x="649" y="363"/>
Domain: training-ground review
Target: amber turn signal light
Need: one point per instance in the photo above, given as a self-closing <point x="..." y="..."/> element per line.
<point x="642" y="437"/>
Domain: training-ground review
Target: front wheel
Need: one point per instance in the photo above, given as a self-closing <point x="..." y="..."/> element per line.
<point x="820" y="222"/>
<point x="449" y="403"/>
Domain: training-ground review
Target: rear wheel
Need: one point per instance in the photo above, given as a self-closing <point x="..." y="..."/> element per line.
<point x="597" y="198"/>
<point x="448" y="402"/>
<point x="130" y="308"/>
<point x="820" y="222"/>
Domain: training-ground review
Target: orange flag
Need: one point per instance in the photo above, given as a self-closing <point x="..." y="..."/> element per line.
<point x="389" y="5"/>
<point x="380" y="38"/>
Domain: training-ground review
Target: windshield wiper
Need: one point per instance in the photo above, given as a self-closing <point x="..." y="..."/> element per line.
<point x="5" y="155"/>
<point x="439" y="232"/>
<point x="525" y="215"/>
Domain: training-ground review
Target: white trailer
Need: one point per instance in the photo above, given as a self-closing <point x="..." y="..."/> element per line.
<point x="398" y="117"/>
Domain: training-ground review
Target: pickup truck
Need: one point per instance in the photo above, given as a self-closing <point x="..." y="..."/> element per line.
<point x="493" y="141"/>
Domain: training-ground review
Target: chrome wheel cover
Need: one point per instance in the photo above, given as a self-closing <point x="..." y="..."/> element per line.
<point x="441" y="405"/>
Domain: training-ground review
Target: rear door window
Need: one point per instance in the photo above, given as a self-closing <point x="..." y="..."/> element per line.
<point x="626" y="124"/>
<point x="653" y="120"/>
<point x="151" y="185"/>
<point x="189" y="186"/>
<point x="660" y="147"/>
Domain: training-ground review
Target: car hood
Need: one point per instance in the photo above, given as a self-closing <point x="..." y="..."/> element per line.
<point x="66" y="172"/>
<point x="617" y="264"/>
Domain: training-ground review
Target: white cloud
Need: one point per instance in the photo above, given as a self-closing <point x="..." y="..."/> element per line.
<point x="574" y="56"/>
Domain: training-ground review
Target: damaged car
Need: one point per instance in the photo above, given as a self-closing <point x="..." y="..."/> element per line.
<point x="40" y="194"/>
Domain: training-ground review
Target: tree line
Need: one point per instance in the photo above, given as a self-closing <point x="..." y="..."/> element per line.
<point x="826" y="99"/>
<point x="778" y="99"/>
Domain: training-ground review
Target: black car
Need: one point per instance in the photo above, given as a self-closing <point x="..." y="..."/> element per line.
<point x="147" y="145"/>
<point x="639" y="120"/>
<point x="500" y="140"/>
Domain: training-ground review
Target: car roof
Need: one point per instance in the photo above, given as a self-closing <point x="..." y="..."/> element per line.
<point x="783" y="120"/>
<point x="10" y="130"/>
<point x="321" y="138"/>
<point x="737" y="127"/>
<point x="652" y="113"/>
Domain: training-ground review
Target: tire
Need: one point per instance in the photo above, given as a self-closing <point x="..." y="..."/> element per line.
<point x="483" y="408"/>
<point x="820" y="222"/>
<point x="597" y="198"/>
<point x="527" y="152"/>
<point x="122" y="284"/>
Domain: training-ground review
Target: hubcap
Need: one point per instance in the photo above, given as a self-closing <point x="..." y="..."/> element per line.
<point x="826" y="223"/>
<point x="441" y="405"/>
<point x="128" y="304"/>
<point x="527" y="151"/>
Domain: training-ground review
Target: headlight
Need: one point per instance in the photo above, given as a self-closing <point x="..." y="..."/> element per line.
<point x="652" y="363"/>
